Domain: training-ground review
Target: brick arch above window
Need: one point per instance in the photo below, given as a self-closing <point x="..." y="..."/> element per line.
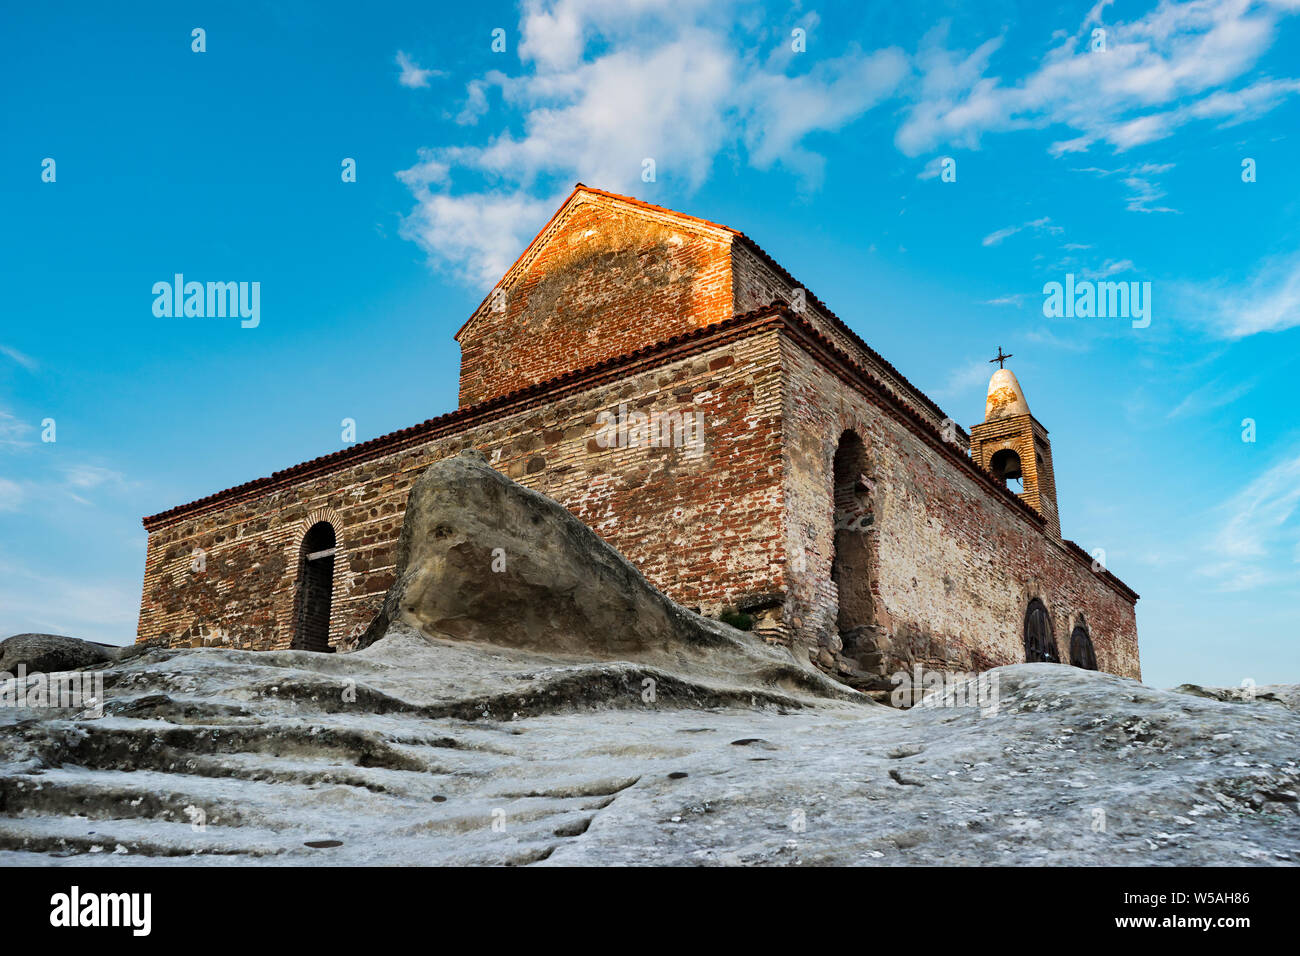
<point x="315" y="517"/>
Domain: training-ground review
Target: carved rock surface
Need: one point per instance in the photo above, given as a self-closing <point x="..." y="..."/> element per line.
<point x="564" y="712"/>
<point x="408" y="751"/>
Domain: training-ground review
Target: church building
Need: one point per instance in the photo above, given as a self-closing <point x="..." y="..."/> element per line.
<point x="668" y="382"/>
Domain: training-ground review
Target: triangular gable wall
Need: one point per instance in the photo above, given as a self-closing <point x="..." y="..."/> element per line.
<point x="606" y="276"/>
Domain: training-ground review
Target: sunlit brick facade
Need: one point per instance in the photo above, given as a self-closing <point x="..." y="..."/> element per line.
<point x="821" y="471"/>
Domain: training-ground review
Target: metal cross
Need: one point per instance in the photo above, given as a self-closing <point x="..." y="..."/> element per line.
<point x="1001" y="358"/>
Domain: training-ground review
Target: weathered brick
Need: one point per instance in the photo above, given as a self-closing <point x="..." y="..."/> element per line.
<point x="617" y="304"/>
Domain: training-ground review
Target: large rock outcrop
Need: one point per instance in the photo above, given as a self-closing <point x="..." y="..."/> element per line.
<point x="50" y="653"/>
<point x="482" y="558"/>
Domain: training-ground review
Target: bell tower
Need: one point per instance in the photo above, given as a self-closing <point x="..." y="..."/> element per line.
<point x="1012" y="444"/>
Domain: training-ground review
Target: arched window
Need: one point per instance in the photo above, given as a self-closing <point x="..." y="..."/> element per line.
<point x="1082" y="653"/>
<point x="311" y="629"/>
<point x="1039" y="643"/>
<point x="854" y="518"/>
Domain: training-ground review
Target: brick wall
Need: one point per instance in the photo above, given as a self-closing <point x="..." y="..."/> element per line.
<point x="604" y="279"/>
<point x="705" y="529"/>
<point x="953" y="566"/>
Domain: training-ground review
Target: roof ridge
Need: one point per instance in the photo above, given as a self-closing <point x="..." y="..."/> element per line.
<point x="747" y="241"/>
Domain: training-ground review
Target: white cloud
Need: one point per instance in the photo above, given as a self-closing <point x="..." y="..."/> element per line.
<point x="1142" y="193"/>
<point x="412" y="75"/>
<point x="476" y="102"/>
<point x="608" y="86"/>
<point x="605" y="86"/>
<point x="1158" y="72"/>
<point x="480" y="235"/>
<point x="1248" y="103"/>
<point x="993" y="238"/>
<point x="1269" y="303"/>
<point x="932" y="169"/>
<point x="781" y="110"/>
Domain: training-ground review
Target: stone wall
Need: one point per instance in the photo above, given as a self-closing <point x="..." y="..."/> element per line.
<point x="954" y="561"/>
<point x="703" y="527"/>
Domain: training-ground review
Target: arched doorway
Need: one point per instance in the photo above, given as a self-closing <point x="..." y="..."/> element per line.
<point x="1039" y="643"/>
<point x="311" y="631"/>
<point x="854" y="521"/>
<point x="1082" y="653"/>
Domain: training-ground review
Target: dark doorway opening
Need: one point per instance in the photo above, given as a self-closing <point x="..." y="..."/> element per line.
<point x="315" y="589"/>
<point x="1039" y="643"/>
<point x="854" y="521"/>
<point x="1082" y="653"/>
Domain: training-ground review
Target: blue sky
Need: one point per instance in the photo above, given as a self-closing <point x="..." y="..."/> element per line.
<point x="1123" y="162"/>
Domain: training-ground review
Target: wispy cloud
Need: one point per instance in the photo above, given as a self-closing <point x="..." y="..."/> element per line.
<point x="80" y="480"/>
<point x="1213" y="394"/>
<point x="73" y="481"/>
<point x="87" y="477"/>
<point x="26" y="361"/>
<point x="1037" y="225"/>
<point x="1268" y="300"/>
<point x="11" y="495"/>
<point x="1143" y="189"/>
<point x="1107" y="269"/>
<point x="1143" y="193"/>
<point x="1015" y="299"/>
<point x="931" y="169"/>
<point x="13" y="432"/>
<point x="966" y="380"/>
<point x="1258" y="543"/>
